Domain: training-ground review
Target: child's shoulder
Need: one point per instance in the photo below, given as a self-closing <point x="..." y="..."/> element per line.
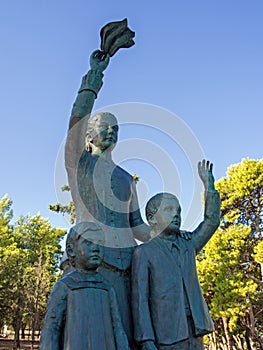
<point x="104" y="281"/>
<point x="146" y="247"/>
<point x="77" y="279"/>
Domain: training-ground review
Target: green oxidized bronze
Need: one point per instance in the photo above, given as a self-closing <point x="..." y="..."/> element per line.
<point x="102" y="191"/>
<point x="82" y="311"/>
<point x="168" y="308"/>
<point x="167" y="302"/>
<point x="116" y="35"/>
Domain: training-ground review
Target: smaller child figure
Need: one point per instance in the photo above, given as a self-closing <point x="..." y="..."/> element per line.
<point x="82" y="311"/>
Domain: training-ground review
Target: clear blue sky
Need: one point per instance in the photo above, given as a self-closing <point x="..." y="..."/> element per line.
<point x="199" y="59"/>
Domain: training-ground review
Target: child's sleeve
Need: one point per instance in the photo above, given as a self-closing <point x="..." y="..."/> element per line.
<point x="52" y="330"/>
<point x="143" y="327"/>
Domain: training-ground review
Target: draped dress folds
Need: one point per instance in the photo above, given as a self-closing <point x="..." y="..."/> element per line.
<point x="82" y="313"/>
<point x="105" y="193"/>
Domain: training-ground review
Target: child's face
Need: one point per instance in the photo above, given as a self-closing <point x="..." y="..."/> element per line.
<point x="168" y="216"/>
<point x="89" y="253"/>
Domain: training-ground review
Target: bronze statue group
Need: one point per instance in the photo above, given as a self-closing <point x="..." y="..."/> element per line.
<point x="120" y="295"/>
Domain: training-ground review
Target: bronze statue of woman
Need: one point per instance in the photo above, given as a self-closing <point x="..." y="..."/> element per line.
<point x="102" y="191"/>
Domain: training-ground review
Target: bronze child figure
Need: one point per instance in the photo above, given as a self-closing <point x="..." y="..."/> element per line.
<point x="169" y="310"/>
<point x="82" y="311"/>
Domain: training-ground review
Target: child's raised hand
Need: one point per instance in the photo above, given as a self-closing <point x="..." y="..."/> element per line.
<point x="205" y="171"/>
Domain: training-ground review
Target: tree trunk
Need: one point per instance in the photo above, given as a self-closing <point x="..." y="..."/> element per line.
<point x="32" y="337"/>
<point x="213" y="342"/>
<point x="248" y="340"/>
<point x="261" y="268"/>
<point x="239" y="342"/>
<point x="33" y="330"/>
<point x="227" y="334"/>
<point x="35" y="317"/>
<point x="223" y="344"/>
<point x="17" y="324"/>
<point x="23" y="335"/>
<point x="252" y="330"/>
<point x="17" y="334"/>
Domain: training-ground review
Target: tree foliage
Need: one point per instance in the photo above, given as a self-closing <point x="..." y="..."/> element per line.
<point x="222" y="276"/>
<point x="7" y="251"/>
<point x="29" y="255"/>
<point x="242" y="195"/>
<point x="65" y="209"/>
<point x="230" y="265"/>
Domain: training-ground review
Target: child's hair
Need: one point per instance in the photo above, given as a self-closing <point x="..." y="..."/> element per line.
<point x="154" y="203"/>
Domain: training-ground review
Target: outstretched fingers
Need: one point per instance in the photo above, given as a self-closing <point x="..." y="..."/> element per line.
<point x="205" y="165"/>
<point x="209" y="165"/>
<point x="205" y="170"/>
